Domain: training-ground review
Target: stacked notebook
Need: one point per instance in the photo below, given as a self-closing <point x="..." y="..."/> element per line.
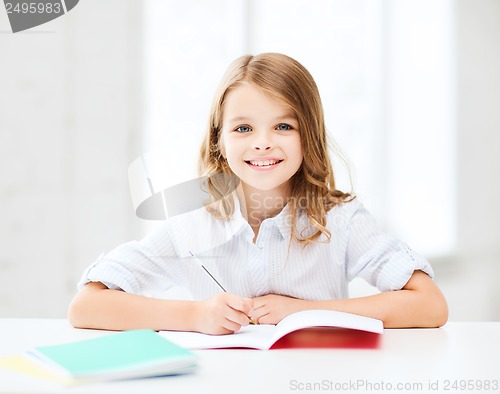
<point x="123" y="355"/>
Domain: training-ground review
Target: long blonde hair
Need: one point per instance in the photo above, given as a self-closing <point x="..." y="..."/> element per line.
<point x="287" y="80"/>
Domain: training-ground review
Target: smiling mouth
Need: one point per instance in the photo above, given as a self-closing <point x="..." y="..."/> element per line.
<point x="263" y="163"/>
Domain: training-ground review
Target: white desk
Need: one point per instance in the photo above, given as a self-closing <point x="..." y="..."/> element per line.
<point x="412" y="357"/>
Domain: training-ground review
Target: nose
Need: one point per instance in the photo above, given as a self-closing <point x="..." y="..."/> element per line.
<point x="262" y="141"/>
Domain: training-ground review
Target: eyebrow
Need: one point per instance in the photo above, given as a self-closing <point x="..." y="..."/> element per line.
<point x="277" y="118"/>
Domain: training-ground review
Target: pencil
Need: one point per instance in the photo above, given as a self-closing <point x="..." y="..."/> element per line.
<point x="200" y="263"/>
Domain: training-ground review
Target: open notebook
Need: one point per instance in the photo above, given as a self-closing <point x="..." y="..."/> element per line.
<point x="310" y="329"/>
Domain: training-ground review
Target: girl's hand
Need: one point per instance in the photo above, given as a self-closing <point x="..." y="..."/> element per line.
<point x="271" y="308"/>
<point x="223" y="314"/>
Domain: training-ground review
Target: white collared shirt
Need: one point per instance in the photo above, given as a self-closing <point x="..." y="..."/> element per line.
<point x="161" y="264"/>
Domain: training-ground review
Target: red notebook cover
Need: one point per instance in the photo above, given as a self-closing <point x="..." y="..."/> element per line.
<point x="329" y="337"/>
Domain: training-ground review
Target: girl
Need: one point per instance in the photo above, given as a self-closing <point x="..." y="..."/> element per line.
<point x="292" y="241"/>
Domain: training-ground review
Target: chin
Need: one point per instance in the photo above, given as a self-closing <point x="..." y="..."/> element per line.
<point x="259" y="187"/>
<point x="263" y="186"/>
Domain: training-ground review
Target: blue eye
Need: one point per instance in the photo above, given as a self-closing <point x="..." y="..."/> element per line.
<point x="243" y="129"/>
<point x="284" y="127"/>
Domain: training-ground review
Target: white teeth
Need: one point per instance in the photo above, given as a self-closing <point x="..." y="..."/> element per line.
<point x="263" y="162"/>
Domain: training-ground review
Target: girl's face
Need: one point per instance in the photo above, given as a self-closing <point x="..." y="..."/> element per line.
<point x="260" y="138"/>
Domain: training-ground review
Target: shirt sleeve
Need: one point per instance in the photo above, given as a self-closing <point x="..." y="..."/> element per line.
<point x="382" y="260"/>
<point x="145" y="267"/>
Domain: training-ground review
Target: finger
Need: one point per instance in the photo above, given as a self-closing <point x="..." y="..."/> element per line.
<point x="238" y="303"/>
<point x="264" y="319"/>
<point x="230" y="325"/>
<point x="258" y="311"/>
<point x="259" y="302"/>
<point x="237" y="317"/>
<point x="257" y="306"/>
<point x="228" y="321"/>
<point x="219" y="331"/>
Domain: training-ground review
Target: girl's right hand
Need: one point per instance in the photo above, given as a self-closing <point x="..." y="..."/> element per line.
<point x="223" y="314"/>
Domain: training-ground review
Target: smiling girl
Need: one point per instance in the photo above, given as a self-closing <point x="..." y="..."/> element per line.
<point x="293" y="241"/>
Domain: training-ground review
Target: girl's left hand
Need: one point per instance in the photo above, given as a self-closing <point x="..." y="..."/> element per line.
<point x="271" y="308"/>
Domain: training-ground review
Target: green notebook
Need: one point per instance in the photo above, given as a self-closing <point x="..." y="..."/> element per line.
<point x="123" y="355"/>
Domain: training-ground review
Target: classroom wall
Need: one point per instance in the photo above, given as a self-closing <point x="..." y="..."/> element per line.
<point x="70" y="120"/>
<point x="478" y="127"/>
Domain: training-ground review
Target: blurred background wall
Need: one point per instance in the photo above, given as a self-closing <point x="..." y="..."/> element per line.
<point x="411" y="93"/>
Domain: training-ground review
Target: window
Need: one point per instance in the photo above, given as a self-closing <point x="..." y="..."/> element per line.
<point x="385" y="73"/>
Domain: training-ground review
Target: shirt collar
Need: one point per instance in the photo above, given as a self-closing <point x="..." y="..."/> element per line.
<point x="189" y="233"/>
<point x="237" y="224"/>
<point x="283" y="222"/>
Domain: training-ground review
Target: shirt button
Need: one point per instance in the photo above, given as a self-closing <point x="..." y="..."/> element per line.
<point x="261" y="245"/>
